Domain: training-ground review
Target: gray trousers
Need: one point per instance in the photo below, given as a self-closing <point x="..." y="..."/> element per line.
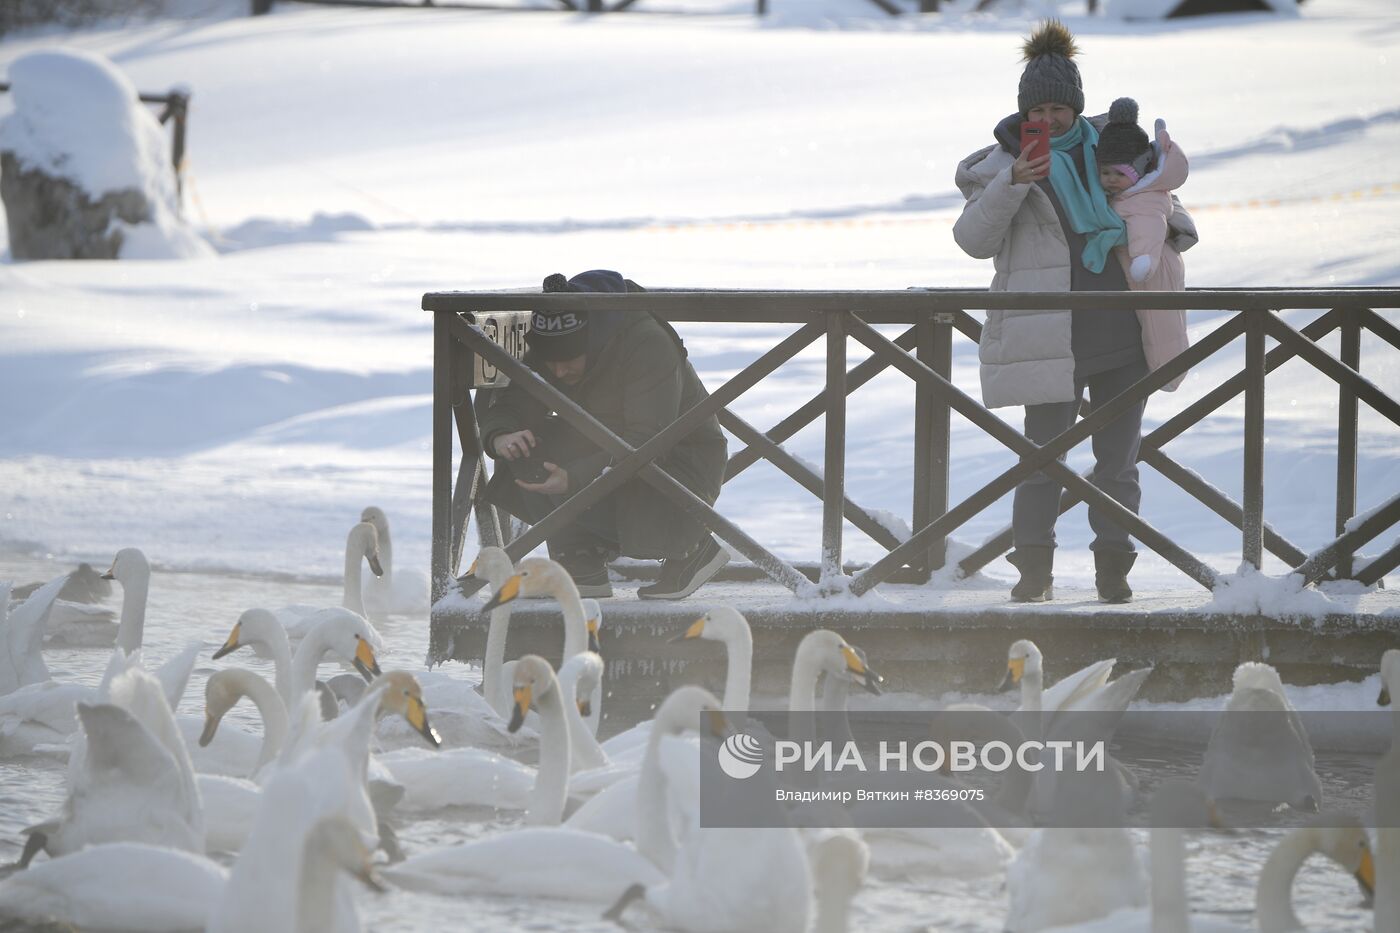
<point x="1037" y="501"/>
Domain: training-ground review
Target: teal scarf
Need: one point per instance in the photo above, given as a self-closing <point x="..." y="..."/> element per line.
<point x="1088" y="211"/>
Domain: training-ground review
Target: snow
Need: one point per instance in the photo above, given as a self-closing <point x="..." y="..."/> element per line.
<point x="238" y="411"/>
<point x="78" y="117"/>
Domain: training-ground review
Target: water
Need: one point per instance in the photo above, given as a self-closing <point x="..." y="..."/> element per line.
<point x="1222" y="870"/>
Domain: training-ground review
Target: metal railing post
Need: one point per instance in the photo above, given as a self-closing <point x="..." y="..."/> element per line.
<point x="1252" y="532"/>
<point x="442" y="456"/>
<point x="1346" y="432"/>
<point x="834" y="472"/>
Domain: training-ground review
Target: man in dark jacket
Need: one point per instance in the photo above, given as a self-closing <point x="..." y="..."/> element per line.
<point x="629" y="370"/>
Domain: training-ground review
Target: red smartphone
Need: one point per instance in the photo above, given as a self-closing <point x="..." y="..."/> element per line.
<point x="1035" y="139"/>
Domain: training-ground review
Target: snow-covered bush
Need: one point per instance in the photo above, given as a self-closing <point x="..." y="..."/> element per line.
<point x="87" y="170"/>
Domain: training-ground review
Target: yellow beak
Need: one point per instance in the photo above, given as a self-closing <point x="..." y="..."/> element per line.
<point x="417" y="717"/>
<point x="1366" y="872"/>
<point x="1016" y="669"/>
<point x="365" y="661"/>
<point x="508" y="593"/>
<point x="693" y="631"/>
<point x="231" y="643"/>
<point x="853" y="662"/>
<point x="523" y="696"/>
<point x="718" y="724"/>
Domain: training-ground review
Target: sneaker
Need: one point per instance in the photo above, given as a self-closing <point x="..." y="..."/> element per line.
<point x="589" y="573"/>
<point x="681" y="576"/>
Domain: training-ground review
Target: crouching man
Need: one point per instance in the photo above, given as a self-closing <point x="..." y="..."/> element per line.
<point x="629" y="370"/>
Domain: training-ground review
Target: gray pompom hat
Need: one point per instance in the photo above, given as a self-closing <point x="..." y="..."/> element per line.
<point x="1122" y="141"/>
<point x="1050" y="76"/>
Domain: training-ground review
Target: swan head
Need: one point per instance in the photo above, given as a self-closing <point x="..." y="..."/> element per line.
<point x="719" y="624"/>
<point x="254" y="627"/>
<point x="584" y="672"/>
<point x="836" y="656"/>
<point x="493" y="565"/>
<point x="1390" y="676"/>
<point x="364" y="539"/>
<point x="593" y="620"/>
<point x="1347" y="844"/>
<point x="348" y="635"/>
<point x="533" y="680"/>
<point x="535" y="577"/>
<point x="129" y="564"/>
<point x="376" y="517"/>
<point x="401" y="693"/>
<point x="692" y="707"/>
<point x="222" y="691"/>
<point x="1022" y="658"/>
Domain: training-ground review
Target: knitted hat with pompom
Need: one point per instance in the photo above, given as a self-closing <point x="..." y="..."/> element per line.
<point x="1121" y="141"/>
<point x="1051" y="76"/>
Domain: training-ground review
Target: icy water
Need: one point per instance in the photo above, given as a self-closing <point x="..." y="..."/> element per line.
<point x="1222" y="870"/>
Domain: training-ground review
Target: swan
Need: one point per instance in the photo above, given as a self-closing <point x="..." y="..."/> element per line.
<point x="22" y="636"/>
<point x="1065" y="875"/>
<point x="1259" y="750"/>
<point x="131" y="569"/>
<point x="1344" y="842"/>
<point x="553" y="861"/>
<point x="727" y="626"/>
<point x="76" y="622"/>
<point x="223" y="690"/>
<point x="85" y="585"/>
<point x="1176" y="807"/>
<point x="581" y="679"/>
<point x="394" y="592"/>
<point x="337" y="632"/>
<point x="361" y="546"/>
<point x="133" y="781"/>
<point x="1387" y="794"/>
<point x="1086" y="690"/>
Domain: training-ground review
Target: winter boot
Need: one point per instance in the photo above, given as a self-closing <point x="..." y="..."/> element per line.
<point x="1036" y="583"/>
<point x="1111" y="575"/>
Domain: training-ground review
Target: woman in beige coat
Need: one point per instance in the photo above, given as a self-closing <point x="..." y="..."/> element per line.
<point x="1047" y="225"/>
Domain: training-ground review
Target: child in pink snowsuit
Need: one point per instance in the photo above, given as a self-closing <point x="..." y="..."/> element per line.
<point x="1139" y="177"/>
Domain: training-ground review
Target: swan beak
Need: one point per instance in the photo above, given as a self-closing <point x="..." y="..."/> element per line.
<point x="864" y="675"/>
<point x="1384" y="698"/>
<point x="872" y="682"/>
<point x="111" y="573"/>
<point x="211" y="725"/>
<point x="231" y="643"/>
<point x="374" y="566"/>
<point x="472" y="571"/>
<point x="1366" y="873"/>
<point x="694" y="631"/>
<point x="585" y="708"/>
<point x="1015" y="669"/>
<point x="719" y="726"/>
<point x="417" y="717"/>
<point x="523" y="695"/>
<point x="365" y="662"/>
<point x="508" y="592"/>
<point x="594" y="645"/>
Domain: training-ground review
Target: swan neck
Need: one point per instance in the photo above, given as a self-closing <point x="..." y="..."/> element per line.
<point x="551" y="789"/>
<point x="575" y="625"/>
<point x="274" y="716"/>
<point x="1032" y="690"/>
<point x="131" y="631"/>
<point x="495" y="656"/>
<point x="1167" y="853"/>
<point x="584" y="750"/>
<point x="304" y="663"/>
<point x="351" y="597"/>
<point x="1274" y="900"/>
<point x="738" y="678"/>
<point x="802" y="692"/>
<point x="833" y="910"/>
<point x="654" y="837"/>
<point x="280" y="648"/>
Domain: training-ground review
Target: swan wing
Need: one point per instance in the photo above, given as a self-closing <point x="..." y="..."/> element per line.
<point x="459" y="777"/>
<point x="22" y="636"/>
<point x="1082" y="682"/>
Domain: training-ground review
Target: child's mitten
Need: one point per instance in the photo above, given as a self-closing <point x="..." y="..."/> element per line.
<point x="1141" y="268"/>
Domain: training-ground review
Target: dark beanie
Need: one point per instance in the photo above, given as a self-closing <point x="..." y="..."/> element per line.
<point x="563" y="335"/>
<point x="1050" y="76"/>
<point x="1121" y="141"/>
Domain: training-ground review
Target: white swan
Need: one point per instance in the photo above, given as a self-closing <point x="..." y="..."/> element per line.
<point x="840" y="860"/>
<point x="222" y="691"/>
<point x="1344" y="842"/>
<point x="1387" y="795"/>
<point x="75" y="621"/>
<point x="131" y="569"/>
<point x="395" y="591"/>
<point x="1259" y="750"/>
<point x="540" y="861"/>
<point x="727" y="626"/>
<point x="1064" y="876"/>
<point x="361" y="547"/>
<point x="581" y="679"/>
<point x="22" y="636"/>
<point x="1086" y="690"/>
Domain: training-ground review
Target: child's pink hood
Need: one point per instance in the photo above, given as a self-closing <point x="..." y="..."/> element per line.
<point x="1171" y="169"/>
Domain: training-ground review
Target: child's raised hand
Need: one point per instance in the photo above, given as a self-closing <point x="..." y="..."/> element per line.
<point x="1024" y="171"/>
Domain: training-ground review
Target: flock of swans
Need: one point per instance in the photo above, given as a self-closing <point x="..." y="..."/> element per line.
<point x="174" y="823"/>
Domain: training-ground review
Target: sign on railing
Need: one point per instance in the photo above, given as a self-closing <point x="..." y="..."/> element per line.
<point x="507" y="330"/>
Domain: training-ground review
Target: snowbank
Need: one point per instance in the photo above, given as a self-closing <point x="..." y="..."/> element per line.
<point x="77" y="117"/>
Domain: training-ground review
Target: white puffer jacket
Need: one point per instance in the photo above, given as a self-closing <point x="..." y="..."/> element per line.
<point x="1027" y="358"/>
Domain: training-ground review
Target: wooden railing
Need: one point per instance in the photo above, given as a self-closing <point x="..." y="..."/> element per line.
<point x="467" y="355"/>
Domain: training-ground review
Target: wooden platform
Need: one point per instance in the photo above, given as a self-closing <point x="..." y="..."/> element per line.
<point x="931" y="640"/>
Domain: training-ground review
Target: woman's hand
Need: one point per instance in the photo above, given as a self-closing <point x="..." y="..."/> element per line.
<point x="1024" y="171"/>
